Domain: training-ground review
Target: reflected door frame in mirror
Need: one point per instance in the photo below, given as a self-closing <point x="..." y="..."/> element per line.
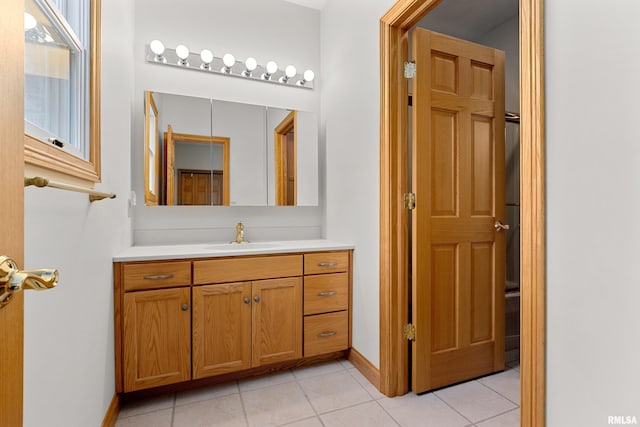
<point x="285" y="145"/>
<point x="151" y="152"/>
<point x="171" y="138"/>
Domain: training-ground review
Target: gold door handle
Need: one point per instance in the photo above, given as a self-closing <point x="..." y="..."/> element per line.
<point x="499" y="226"/>
<point x="13" y="280"/>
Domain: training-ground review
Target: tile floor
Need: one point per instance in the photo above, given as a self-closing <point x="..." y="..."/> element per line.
<point x="331" y="394"/>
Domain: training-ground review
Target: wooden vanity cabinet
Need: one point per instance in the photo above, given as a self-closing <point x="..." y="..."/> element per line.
<point x="156" y="325"/>
<point x="190" y="319"/>
<point x="327" y="302"/>
<point x="245" y="325"/>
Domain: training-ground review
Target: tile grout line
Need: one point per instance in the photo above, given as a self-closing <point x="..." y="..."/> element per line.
<point x="173" y="408"/>
<point x="498" y="415"/>
<point x="500" y="394"/>
<point x="450" y="406"/>
<point x="388" y="413"/>
<point x="244" y="410"/>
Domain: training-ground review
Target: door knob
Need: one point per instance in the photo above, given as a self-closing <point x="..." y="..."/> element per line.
<point x="13" y="280"/>
<point x="499" y="226"/>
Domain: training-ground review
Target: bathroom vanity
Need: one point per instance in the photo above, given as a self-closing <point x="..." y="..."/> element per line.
<point x="190" y="312"/>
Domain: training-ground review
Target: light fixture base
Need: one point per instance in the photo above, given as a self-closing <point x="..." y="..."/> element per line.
<point x="217" y="66"/>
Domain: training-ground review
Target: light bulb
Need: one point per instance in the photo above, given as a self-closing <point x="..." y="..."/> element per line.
<point x="182" y="51"/>
<point x="207" y="56"/>
<point x="289" y="71"/>
<point x="228" y="60"/>
<point x="309" y="76"/>
<point x="251" y="64"/>
<point x="157" y="47"/>
<point x="29" y="22"/>
<point x="272" y="67"/>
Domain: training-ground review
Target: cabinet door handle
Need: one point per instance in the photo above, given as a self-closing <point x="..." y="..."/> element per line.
<point x="327" y="334"/>
<point x="247" y="300"/>
<point x="327" y="264"/>
<point x="158" y="277"/>
<point x="185" y="307"/>
<point x="256" y="298"/>
<point x="327" y="293"/>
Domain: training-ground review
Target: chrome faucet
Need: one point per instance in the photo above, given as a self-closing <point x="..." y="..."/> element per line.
<point x="240" y="233"/>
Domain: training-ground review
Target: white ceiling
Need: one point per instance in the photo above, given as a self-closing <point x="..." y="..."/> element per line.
<point x="469" y="19"/>
<point x="313" y="4"/>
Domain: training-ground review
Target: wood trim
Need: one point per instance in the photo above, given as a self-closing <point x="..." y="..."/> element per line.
<point x="532" y="221"/>
<point x="47" y="156"/>
<point x="113" y="411"/>
<point x="393" y="219"/>
<point x="151" y="198"/>
<point x="118" y="315"/>
<point x="171" y="137"/>
<point x="279" y="141"/>
<point x="365" y="367"/>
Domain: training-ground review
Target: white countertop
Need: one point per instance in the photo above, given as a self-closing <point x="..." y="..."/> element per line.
<point x="207" y="250"/>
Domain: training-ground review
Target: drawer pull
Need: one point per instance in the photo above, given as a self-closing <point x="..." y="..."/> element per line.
<point x="327" y="264"/>
<point x="327" y="293"/>
<point x="158" y="277"/>
<point x="327" y="334"/>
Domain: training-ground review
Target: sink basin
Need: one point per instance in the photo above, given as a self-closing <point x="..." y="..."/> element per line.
<point x="239" y="247"/>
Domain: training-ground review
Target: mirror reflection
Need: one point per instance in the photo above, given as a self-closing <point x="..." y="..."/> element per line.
<point x="201" y="151"/>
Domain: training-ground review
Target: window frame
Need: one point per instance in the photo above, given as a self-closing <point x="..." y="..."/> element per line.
<point x="48" y="156"/>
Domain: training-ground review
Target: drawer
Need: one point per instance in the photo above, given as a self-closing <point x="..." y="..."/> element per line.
<point x="326" y="262"/>
<point x="325" y="333"/>
<point x="156" y="275"/>
<point x="238" y="269"/>
<point x="326" y="292"/>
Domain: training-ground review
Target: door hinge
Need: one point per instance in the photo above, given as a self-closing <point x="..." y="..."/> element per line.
<point x="410" y="332"/>
<point x="409" y="70"/>
<point x="409" y="200"/>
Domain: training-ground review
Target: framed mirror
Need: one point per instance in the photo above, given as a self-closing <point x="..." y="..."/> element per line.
<point x="214" y="152"/>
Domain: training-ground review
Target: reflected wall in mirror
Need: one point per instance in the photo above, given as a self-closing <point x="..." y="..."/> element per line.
<point x="213" y="152"/>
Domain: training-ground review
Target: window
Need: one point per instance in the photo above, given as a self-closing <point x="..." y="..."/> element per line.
<point x="61" y="104"/>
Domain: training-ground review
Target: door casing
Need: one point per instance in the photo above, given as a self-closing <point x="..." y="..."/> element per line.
<point x="394" y="366"/>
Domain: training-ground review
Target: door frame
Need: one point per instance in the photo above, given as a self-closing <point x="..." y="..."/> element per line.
<point x="171" y="138"/>
<point x="394" y="218"/>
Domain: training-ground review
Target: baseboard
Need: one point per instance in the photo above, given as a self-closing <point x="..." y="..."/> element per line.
<point x="365" y="367"/>
<point x="112" y="412"/>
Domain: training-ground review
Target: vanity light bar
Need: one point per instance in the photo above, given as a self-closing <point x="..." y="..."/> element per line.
<point x="227" y="65"/>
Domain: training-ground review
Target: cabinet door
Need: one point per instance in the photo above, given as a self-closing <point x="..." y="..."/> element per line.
<point x="221" y="329"/>
<point x="157" y="332"/>
<point x="277" y="320"/>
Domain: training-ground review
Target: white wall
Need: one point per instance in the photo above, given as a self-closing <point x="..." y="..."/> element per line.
<point x="593" y="206"/>
<point x="69" y="356"/>
<point x="350" y="123"/>
<point x="278" y="30"/>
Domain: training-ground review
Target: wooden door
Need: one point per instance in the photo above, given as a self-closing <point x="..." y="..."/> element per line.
<point x="458" y="256"/>
<point x="12" y="207"/>
<point x="197" y="187"/>
<point x="277" y="320"/>
<point x="157" y="338"/>
<point x="221" y="329"/>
